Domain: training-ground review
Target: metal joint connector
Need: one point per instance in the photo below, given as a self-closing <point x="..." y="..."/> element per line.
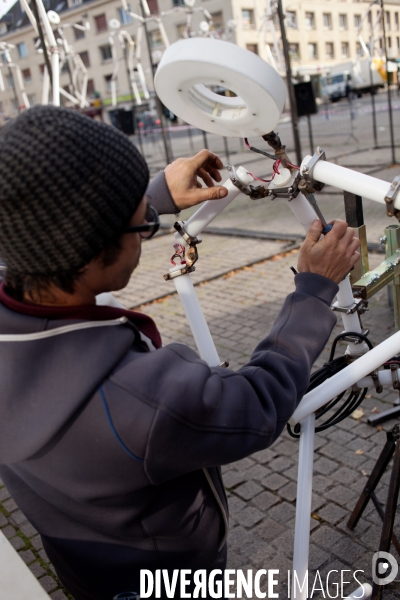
<point x="237" y="182"/>
<point x="391" y="197"/>
<point x="186" y="269"/>
<point x="360" y="305"/>
<point x="307" y="182"/>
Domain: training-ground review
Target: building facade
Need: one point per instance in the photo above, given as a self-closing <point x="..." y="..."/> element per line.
<point x="321" y="33"/>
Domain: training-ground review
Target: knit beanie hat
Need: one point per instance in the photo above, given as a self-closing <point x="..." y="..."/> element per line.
<point x="68" y="187"/>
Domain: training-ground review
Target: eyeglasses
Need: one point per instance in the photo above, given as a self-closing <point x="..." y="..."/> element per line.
<point x="148" y="229"/>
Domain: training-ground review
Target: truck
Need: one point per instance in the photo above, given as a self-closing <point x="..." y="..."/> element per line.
<point x="355" y="77"/>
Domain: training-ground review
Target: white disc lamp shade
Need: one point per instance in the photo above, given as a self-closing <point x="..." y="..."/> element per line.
<point x="189" y="67"/>
<point x="53" y="17"/>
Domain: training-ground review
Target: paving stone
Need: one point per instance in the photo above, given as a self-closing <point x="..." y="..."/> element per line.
<point x="48" y="583"/>
<point x="265" y="456"/>
<point x="17" y="518"/>
<point x="8" y="531"/>
<point x="280" y="464"/>
<point x="282" y="512"/>
<point x="317" y="557"/>
<point x="269" y="529"/>
<point x="240" y="539"/>
<point x="243" y="465"/>
<point x="28" y="530"/>
<point x="4" y="495"/>
<point x="250" y="516"/>
<point x="332" y="513"/>
<point x="37" y="542"/>
<point x="27" y="556"/>
<point x="274" y="481"/>
<point x="321" y="483"/>
<point x="37" y="569"/>
<point x="265" y="500"/>
<point x="235" y="505"/>
<point x="17" y="543"/>
<point x="258" y="472"/>
<point x="232" y="478"/>
<point x="326" y="536"/>
<point x="347" y="550"/>
<point x="58" y="595"/>
<point x="325" y="466"/>
<point x="341" y="494"/>
<point x="345" y="475"/>
<point x="10" y="505"/>
<point x="288" y="492"/>
<point x="3" y="520"/>
<point x="248" y="490"/>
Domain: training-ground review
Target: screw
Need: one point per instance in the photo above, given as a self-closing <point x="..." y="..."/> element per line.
<point x="383" y="239"/>
<point x="179" y="90"/>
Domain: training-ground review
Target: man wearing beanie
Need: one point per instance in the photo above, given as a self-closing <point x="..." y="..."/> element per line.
<point x="111" y="444"/>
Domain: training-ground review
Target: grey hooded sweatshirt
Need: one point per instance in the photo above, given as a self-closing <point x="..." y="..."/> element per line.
<point x="113" y="451"/>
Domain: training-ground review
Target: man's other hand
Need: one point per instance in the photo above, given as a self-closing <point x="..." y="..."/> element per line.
<point x="332" y="255"/>
<point x="182" y="177"/>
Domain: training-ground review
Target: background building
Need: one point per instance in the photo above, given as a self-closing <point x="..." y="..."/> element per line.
<point x="321" y="33"/>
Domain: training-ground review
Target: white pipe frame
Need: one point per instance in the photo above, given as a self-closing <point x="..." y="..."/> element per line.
<point x="357" y="373"/>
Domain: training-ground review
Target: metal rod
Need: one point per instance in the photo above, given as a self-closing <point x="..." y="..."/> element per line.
<point x="392" y="142"/>
<point x="293" y="108"/>
<point x="310" y="135"/>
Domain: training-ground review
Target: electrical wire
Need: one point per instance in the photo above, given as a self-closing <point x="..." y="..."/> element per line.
<point x="330" y="368"/>
<point x="271" y="156"/>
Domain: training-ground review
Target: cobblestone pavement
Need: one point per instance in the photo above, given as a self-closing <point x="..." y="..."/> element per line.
<point x="241" y="284"/>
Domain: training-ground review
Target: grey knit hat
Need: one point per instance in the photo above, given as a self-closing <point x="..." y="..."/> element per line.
<point x="68" y="186"/>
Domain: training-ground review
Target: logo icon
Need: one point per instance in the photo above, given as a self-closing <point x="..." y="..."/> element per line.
<point x="384" y="568"/>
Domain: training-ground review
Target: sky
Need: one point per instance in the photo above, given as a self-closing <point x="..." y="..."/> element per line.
<point x="5" y="6"/>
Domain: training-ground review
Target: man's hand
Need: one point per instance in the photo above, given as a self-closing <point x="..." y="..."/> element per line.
<point x="333" y="255"/>
<point x="182" y="179"/>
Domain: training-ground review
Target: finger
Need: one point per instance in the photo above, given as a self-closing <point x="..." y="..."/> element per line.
<point x="339" y="228"/>
<point x="205" y="177"/>
<point x="213" y="193"/>
<point x="355" y="258"/>
<point x="210" y="168"/>
<point x="314" y="232"/>
<point x="206" y="156"/>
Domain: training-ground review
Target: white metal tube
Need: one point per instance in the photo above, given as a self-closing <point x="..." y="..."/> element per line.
<point x="384" y="377"/>
<point x="55" y="69"/>
<point x="340" y="382"/>
<point x="47" y="25"/>
<point x="303" y="211"/>
<point x="351" y="181"/>
<point x="2" y="88"/>
<point x="46" y="86"/>
<point x="210" y="209"/>
<point x="303" y="508"/>
<point x="198" y="324"/>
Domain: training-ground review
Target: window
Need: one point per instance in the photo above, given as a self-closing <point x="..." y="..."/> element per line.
<point x="65" y="67"/>
<point x="90" y="87"/>
<point x="153" y="6"/>
<point x="248" y="18"/>
<point x="124" y="16"/>
<point x="312" y="50"/>
<point x="217" y="21"/>
<point x="359" y="50"/>
<point x="294" y="51"/>
<point x="155" y="38"/>
<point x="389" y="42"/>
<point x="3" y="28"/>
<point x="105" y="52"/>
<point x="342" y="22"/>
<point x="329" y="50"/>
<point x="345" y="50"/>
<point x="396" y="21"/>
<point x="107" y="79"/>
<point x="10" y="80"/>
<point x="291" y="19"/>
<point x="252" y="47"/>
<point x="398" y="43"/>
<point x="310" y="20"/>
<point x="22" y="51"/>
<point x="85" y="58"/>
<point x="75" y="2"/>
<point x="370" y="18"/>
<point x="387" y="15"/>
<point x="101" y="23"/>
<point x="26" y="74"/>
<point x="327" y="20"/>
<point x="178" y="3"/>
<point x="357" y="21"/>
<point x="79" y="33"/>
<point x="41" y="69"/>
<point x="32" y="99"/>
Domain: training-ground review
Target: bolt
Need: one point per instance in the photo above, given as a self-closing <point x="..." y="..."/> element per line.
<point x="179" y="90"/>
<point x="383" y="239"/>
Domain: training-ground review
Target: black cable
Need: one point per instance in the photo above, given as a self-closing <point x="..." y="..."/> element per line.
<point x="330" y="368"/>
<point x="271" y="156"/>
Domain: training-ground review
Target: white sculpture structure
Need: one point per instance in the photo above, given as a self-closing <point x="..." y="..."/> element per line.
<point x="260" y="95"/>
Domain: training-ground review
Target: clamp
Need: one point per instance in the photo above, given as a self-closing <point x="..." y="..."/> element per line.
<point x="307" y="183"/>
<point x="191" y="255"/>
<point x="390" y="198"/>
